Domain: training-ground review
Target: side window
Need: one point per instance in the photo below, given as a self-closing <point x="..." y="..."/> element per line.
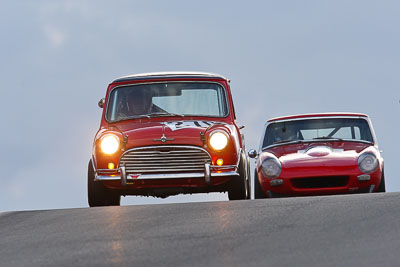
<point x="357" y="133"/>
<point x="344" y="133"/>
<point x="314" y="133"/>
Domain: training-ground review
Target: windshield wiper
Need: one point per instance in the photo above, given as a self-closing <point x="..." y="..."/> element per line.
<point x="134" y="117"/>
<point x="287" y="141"/>
<point x="341" y="140"/>
<point x="165" y="114"/>
<point x="327" y="138"/>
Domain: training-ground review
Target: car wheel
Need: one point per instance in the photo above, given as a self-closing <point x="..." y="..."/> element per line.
<point x="237" y="188"/>
<point x="248" y="176"/>
<point x="258" y="193"/>
<point x="382" y="186"/>
<point x="98" y="195"/>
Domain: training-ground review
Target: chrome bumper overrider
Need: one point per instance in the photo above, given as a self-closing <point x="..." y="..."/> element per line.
<point x="120" y="174"/>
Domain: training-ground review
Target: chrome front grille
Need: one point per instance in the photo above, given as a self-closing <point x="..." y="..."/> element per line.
<point x="165" y="159"/>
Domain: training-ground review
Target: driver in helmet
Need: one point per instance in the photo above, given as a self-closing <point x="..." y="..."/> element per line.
<point x="139" y="102"/>
<point x="287" y="134"/>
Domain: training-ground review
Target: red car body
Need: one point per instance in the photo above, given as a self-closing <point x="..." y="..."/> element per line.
<point x="323" y="165"/>
<point x="167" y="154"/>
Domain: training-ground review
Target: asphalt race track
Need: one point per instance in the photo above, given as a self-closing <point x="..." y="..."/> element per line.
<point x="347" y="230"/>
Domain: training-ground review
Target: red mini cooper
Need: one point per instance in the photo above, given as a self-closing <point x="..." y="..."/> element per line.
<point x="318" y="154"/>
<point x="163" y="134"/>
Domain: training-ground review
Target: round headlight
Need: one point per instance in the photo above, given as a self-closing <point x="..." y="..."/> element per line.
<point x="218" y="140"/>
<point x="367" y="162"/>
<point x="271" y="168"/>
<point x="109" y="144"/>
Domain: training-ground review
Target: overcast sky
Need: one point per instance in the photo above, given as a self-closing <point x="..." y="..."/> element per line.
<point x="283" y="57"/>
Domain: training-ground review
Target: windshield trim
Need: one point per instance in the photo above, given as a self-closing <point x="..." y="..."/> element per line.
<point x="317" y="141"/>
<point x="185" y="81"/>
<point x="261" y="148"/>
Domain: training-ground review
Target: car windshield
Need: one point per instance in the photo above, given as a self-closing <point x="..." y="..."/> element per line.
<point x="317" y="129"/>
<point x="167" y="99"/>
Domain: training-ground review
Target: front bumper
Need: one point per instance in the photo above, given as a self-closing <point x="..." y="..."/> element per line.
<point x="290" y="187"/>
<point x="210" y="171"/>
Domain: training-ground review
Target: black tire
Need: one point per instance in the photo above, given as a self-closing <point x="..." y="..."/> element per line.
<point x="238" y="185"/>
<point x="248" y="179"/>
<point x="258" y="193"/>
<point x="98" y="195"/>
<point x="382" y="186"/>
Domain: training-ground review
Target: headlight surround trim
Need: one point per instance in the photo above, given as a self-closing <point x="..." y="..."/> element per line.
<point x="368" y="162"/>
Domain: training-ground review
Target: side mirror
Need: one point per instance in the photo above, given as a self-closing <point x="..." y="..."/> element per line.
<point x="252" y="153"/>
<point x="101" y="103"/>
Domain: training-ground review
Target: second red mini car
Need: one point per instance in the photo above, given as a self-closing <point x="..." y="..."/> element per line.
<point x="318" y="154"/>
